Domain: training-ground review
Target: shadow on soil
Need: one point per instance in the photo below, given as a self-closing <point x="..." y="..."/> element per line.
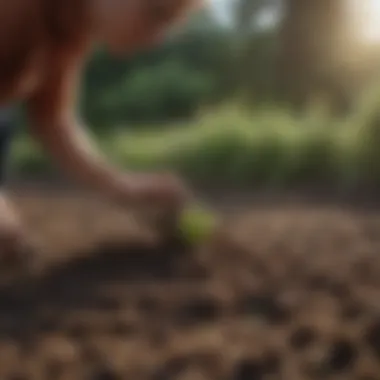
<point x="80" y="284"/>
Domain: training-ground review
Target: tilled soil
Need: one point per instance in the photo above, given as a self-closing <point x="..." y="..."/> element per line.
<point x="285" y="291"/>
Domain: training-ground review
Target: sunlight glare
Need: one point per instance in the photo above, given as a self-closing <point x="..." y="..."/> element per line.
<point x="367" y="14"/>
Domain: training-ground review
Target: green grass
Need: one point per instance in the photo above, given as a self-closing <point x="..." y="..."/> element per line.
<point x="236" y="146"/>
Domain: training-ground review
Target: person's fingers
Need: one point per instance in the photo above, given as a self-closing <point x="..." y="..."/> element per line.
<point x="160" y="192"/>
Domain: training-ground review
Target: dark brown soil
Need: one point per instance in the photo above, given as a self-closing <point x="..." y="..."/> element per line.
<point x="284" y="291"/>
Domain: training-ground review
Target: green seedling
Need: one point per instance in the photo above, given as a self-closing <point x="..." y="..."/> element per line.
<point x="196" y="224"/>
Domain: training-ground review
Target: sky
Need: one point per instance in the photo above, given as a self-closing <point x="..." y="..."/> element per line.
<point x="221" y="7"/>
<point x="366" y="17"/>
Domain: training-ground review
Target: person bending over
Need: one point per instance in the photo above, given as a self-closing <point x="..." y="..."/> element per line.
<point x="43" y="47"/>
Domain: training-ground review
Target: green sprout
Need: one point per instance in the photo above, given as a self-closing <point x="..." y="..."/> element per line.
<point x="196" y="224"/>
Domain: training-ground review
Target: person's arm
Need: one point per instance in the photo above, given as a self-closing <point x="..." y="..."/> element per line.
<point x="55" y="125"/>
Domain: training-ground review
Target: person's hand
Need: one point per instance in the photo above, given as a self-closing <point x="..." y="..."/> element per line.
<point x="165" y="190"/>
<point x="159" y="199"/>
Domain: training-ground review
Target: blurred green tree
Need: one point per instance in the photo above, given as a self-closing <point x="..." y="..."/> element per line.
<point x="169" y="81"/>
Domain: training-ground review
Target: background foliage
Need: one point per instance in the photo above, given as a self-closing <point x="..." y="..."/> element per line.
<point x="249" y="92"/>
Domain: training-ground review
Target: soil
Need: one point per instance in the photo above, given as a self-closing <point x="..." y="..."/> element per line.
<point x="284" y="290"/>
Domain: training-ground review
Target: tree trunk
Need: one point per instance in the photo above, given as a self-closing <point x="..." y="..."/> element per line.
<point x="310" y="48"/>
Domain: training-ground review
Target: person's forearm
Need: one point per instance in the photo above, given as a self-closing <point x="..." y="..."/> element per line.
<point x="72" y="150"/>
